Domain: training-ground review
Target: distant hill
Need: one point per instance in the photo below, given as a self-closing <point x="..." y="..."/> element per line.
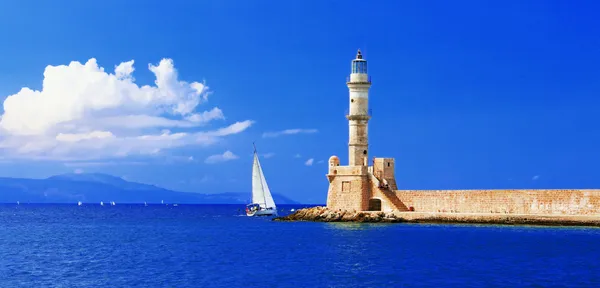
<point x="96" y="187"/>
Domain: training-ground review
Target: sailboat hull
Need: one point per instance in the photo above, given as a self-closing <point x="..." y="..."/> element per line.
<point x="270" y="212"/>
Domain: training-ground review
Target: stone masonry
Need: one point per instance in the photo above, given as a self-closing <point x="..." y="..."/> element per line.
<point x="359" y="186"/>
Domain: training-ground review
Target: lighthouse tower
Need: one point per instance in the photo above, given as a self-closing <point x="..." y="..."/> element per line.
<point x="358" y="83"/>
<point x="350" y="185"/>
<point x="359" y="186"/>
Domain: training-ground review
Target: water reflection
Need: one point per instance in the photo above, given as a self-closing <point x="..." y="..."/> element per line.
<point x="349" y="226"/>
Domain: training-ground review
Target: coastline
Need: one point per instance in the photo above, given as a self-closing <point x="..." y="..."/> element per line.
<point x="323" y="214"/>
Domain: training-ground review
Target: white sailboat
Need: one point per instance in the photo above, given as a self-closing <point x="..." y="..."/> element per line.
<point x="79" y="203"/>
<point x="262" y="201"/>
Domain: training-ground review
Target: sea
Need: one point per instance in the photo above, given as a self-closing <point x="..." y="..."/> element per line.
<point x="132" y="245"/>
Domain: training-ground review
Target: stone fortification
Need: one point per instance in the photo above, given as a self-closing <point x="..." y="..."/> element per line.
<point x="367" y="192"/>
<point x="535" y="202"/>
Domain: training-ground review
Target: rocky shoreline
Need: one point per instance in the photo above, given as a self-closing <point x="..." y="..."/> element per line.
<point x="323" y="214"/>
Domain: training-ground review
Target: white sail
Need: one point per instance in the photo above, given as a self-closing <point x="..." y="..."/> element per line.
<point x="260" y="190"/>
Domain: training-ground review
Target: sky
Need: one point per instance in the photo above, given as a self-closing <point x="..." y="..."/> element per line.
<point x="465" y="94"/>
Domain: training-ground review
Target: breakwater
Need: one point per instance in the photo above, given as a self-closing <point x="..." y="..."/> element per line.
<point x="323" y="214"/>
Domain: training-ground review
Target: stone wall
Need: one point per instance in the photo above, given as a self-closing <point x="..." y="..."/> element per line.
<point x="348" y="192"/>
<point x="389" y="199"/>
<point x="549" y="202"/>
<point x="348" y="170"/>
<point x="383" y="168"/>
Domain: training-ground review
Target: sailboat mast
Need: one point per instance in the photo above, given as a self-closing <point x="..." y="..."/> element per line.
<point x="260" y="169"/>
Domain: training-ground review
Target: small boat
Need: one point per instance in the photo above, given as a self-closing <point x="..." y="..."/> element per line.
<point x="101" y="203"/>
<point x="175" y="205"/>
<point x="145" y="204"/>
<point x="262" y="201"/>
<point x="79" y="203"/>
<point x="112" y="203"/>
<point x="18" y="203"/>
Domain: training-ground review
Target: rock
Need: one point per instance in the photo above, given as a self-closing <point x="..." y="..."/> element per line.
<point x="322" y="214"/>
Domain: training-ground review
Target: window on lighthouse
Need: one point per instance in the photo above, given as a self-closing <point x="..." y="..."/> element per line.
<point x="359" y="67"/>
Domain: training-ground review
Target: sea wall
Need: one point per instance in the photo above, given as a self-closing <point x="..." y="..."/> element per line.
<point x="536" y="202"/>
<point x="323" y="214"/>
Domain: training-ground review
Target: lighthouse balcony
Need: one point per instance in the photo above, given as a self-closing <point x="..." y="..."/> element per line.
<point x="361" y="115"/>
<point x="358" y="79"/>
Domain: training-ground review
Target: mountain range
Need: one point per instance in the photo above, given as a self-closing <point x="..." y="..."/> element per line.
<point x="96" y="187"/>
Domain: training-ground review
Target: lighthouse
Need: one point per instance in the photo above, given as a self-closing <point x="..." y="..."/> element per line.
<point x="359" y="186"/>
<point x="358" y="117"/>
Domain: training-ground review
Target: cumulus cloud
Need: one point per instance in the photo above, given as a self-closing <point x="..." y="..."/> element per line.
<point x="288" y="132"/>
<point x="217" y="158"/>
<point x="148" y="121"/>
<point x="83" y="113"/>
<point x="309" y="162"/>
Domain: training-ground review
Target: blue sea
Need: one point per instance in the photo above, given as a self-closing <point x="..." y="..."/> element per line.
<point x="217" y="246"/>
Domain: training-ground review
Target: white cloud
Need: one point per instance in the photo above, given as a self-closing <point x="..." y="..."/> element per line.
<point x="103" y="163"/>
<point x="297" y="156"/>
<point x="309" y="162"/>
<point x="226" y="156"/>
<point x="85" y="113"/>
<point x="84" y="136"/>
<point x="288" y="132"/>
<point x="148" y="121"/>
<point x="320" y="161"/>
<point x="263" y="155"/>
<point x="268" y="155"/>
<point x="78" y="171"/>
<point x="536" y="177"/>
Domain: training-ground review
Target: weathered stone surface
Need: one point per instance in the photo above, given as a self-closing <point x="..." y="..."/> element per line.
<point x="530" y="201"/>
<point x="323" y="214"/>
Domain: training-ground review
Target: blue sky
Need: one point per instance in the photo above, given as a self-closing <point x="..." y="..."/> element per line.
<point x="465" y="95"/>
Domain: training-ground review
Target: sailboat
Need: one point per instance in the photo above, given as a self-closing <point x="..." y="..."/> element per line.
<point x="262" y="201"/>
